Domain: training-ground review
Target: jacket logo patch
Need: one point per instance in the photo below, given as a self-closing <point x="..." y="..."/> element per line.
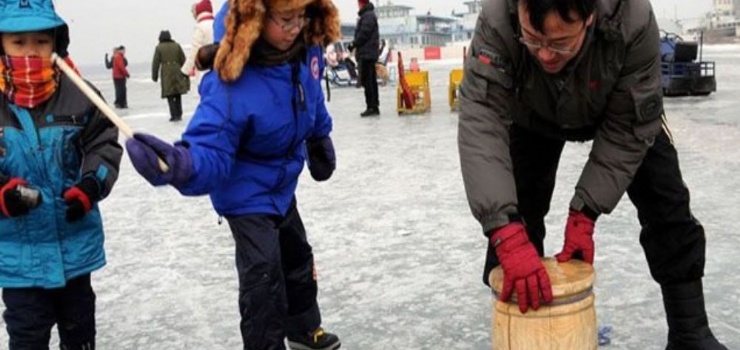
<point x="489" y="57"/>
<point x="483" y="58"/>
<point x="315" y="67"/>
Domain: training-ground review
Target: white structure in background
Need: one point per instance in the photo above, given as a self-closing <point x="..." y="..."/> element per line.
<point x="727" y="7"/>
<point x="670" y="25"/>
<point x="400" y="28"/>
<point x="724" y="25"/>
<point x="726" y="18"/>
<point x="466" y="22"/>
<point x="692" y="26"/>
<point x="722" y="22"/>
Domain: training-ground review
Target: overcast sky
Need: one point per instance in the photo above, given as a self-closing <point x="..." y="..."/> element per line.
<point x="98" y="25"/>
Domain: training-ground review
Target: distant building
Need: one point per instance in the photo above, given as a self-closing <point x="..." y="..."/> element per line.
<point x="400" y="28"/>
<point x="727" y="7"/>
<point x="466" y="21"/>
<point x="718" y="25"/>
<point x="725" y="19"/>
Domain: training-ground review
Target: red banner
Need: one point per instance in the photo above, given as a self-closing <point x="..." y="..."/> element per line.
<point x="432" y="53"/>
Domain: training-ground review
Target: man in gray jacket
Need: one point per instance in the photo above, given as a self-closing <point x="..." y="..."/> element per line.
<point x="545" y="72"/>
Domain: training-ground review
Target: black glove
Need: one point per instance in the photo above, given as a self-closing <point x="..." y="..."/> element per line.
<point x="15" y="198"/>
<point x="81" y="197"/>
<point x="321" y="158"/>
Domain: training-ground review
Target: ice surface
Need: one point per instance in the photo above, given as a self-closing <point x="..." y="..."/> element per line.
<point x="398" y="252"/>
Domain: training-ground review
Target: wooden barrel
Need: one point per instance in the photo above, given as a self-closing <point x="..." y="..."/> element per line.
<point x="568" y="323"/>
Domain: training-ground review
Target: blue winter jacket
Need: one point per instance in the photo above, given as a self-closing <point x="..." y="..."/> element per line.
<point x="247" y="138"/>
<point x="52" y="147"/>
<point x="219" y="29"/>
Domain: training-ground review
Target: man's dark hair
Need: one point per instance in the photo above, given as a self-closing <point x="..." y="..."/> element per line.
<point x="538" y="9"/>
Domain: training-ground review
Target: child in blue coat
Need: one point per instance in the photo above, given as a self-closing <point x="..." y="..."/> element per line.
<point x="59" y="156"/>
<point x="261" y="117"/>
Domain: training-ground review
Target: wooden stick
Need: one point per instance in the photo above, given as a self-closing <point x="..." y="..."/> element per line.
<point x="102" y="106"/>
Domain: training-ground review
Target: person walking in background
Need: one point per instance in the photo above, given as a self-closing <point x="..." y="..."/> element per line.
<point x="260" y="119"/>
<point x="168" y="60"/>
<point x="202" y="35"/>
<point x="120" y="73"/>
<point x="540" y="74"/>
<point x="367" y="43"/>
<point x="55" y="169"/>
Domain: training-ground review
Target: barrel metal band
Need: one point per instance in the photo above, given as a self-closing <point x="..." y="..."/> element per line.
<point x="556" y="302"/>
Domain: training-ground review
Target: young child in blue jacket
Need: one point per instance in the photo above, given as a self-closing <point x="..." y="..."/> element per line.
<point x="260" y="118"/>
<point x="59" y="156"/>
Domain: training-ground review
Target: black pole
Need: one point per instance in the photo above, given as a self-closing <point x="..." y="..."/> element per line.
<point x="701" y="44"/>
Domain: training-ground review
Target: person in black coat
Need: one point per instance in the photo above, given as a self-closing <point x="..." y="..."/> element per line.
<point x="366" y="43"/>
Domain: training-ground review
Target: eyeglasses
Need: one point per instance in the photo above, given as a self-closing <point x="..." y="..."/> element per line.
<point x="560" y="49"/>
<point x="286" y="26"/>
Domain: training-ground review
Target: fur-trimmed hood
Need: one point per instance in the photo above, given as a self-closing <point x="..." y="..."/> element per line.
<point x="246" y="18"/>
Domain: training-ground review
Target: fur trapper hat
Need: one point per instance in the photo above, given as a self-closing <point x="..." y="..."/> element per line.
<point x="246" y="18"/>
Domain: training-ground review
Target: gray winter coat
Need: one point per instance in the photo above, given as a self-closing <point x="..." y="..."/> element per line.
<point x="610" y="93"/>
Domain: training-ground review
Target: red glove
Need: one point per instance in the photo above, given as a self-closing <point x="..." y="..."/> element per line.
<point x="579" y="231"/>
<point x="522" y="267"/>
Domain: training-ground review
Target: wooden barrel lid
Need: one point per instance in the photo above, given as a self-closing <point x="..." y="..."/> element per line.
<point x="568" y="279"/>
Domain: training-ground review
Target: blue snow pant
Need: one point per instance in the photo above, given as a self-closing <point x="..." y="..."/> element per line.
<point x="672" y="239"/>
<point x="277" y="292"/>
<point x="30" y="314"/>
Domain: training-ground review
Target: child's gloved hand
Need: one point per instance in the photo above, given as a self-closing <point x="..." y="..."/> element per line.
<point x="12" y="203"/>
<point x="81" y="197"/>
<point x="144" y="151"/>
<point x="321" y="158"/>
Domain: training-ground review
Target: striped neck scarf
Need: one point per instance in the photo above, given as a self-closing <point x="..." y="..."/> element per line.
<point x="203" y="16"/>
<point x="27" y="81"/>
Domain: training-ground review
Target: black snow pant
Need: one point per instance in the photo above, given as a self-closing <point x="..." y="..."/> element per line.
<point x="175" y="103"/>
<point x="369" y="80"/>
<point x="30" y="314"/>
<point x="120" y="87"/>
<point x="672" y="239"/>
<point x="277" y="291"/>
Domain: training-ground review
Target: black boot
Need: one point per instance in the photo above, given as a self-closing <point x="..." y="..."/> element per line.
<point x="316" y="340"/>
<point x="370" y="112"/>
<point x="688" y="327"/>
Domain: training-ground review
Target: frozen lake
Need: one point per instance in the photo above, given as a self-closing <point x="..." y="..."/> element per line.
<point x="398" y="252"/>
